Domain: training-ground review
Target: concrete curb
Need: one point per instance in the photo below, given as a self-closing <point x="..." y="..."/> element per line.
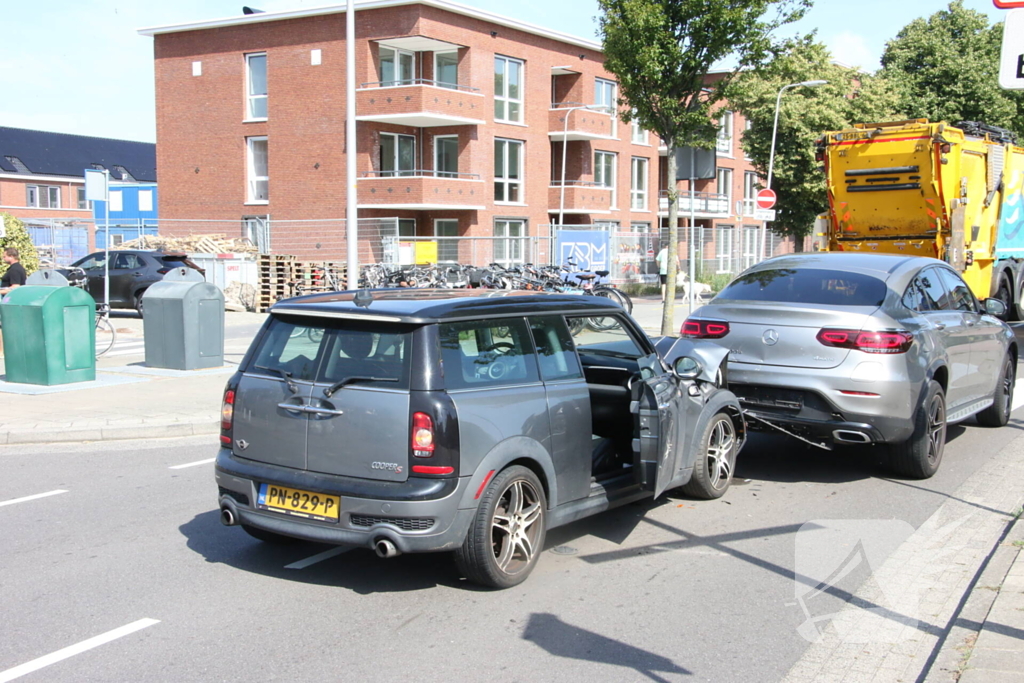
<point x="110" y="433"/>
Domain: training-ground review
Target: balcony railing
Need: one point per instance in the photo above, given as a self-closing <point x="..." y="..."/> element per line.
<point x="705" y="204"/>
<point x="423" y="190"/>
<point x="420" y="173"/>
<point x="418" y="81"/>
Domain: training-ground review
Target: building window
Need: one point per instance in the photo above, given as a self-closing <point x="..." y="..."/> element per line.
<point x="724" y="144"/>
<point x="508" y="176"/>
<point x="145" y="200"/>
<point x="446" y="156"/>
<point x="723" y="248"/>
<point x="447" y="229"/>
<point x="83" y="203"/>
<point x="446" y="69"/>
<point x="747" y="125"/>
<point x="604" y="172"/>
<point x="638" y="184"/>
<point x="637" y="134"/>
<point x="256" y="69"/>
<point x="508" y="249"/>
<point x="508" y="89"/>
<point x="749" y="246"/>
<point x="397" y="67"/>
<point x="604" y="95"/>
<point x="724" y="180"/>
<point x="259" y="180"/>
<point x="116" y="201"/>
<point x="42" y="196"/>
<point x="750" y="188"/>
<point x="397" y="155"/>
<point x="406" y="227"/>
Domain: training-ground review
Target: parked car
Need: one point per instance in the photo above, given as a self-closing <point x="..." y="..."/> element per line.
<point x="431" y="420"/>
<point x="854" y="348"/>
<point x="131" y="273"/>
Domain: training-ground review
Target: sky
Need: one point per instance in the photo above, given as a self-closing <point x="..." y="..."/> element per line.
<point x="81" y="67"/>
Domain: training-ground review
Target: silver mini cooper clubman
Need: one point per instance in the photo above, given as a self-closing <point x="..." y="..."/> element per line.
<point x="454" y="420"/>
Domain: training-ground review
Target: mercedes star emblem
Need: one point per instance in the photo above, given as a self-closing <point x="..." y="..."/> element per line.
<point x="770" y="337"/>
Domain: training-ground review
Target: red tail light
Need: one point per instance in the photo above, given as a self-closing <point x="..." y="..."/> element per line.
<point x="695" y="328"/>
<point x="163" y="271"/>
<point x="890" y="341"/>
<point x="227" y="417"/>
<point x="422" y="435"/>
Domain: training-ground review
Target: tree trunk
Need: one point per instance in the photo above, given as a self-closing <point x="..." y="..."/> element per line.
<point x="668" y="326"/>
<point x="798" y="243"/>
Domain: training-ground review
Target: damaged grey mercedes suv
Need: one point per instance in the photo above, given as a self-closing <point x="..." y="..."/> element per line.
<point x="455" y="420"/>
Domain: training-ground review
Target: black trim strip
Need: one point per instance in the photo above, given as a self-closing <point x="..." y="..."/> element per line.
<point x="883" y="171"/>
<point x="880" y="188"/>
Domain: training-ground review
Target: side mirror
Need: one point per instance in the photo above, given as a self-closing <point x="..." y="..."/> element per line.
<point x="996" y="307"/>
<point x="687" y="367"/>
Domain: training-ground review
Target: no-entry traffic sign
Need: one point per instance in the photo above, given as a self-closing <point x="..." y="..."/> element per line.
<point x="766" y="199"/>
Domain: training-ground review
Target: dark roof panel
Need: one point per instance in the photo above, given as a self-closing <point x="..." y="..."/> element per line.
<point x="48" y="153"/>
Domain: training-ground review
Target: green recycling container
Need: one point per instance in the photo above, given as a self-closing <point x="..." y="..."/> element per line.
<point x="49" y="335"/>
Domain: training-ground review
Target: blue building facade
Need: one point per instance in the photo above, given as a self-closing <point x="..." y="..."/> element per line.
<point x="133" y="212"/>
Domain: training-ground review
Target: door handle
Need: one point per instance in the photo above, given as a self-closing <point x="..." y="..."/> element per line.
<point x="940" y="326"/>
<point x="322" y="411"/>
<point x="293" y="407"/>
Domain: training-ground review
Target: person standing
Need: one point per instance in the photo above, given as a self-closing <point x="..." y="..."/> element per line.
<point x="13" y="278"/>
<point x="662" y="259"/>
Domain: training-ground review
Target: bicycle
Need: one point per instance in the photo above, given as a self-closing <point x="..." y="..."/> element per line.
<point x="106" y="333"/>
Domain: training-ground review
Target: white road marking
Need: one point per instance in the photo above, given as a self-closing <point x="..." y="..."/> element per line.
<point x="319" y="557"/>
<point x="131" y="348"/>
<point x="59" y="655"/>
<point x="28" y="498"/>
<point x="192" y="464"/>
<point x="1018" y="399"/>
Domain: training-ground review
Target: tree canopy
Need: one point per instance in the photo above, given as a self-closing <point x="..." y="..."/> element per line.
<point x="17" y="236"/>
<point x="849" y="97"/>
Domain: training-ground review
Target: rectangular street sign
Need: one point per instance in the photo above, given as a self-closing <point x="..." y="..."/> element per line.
<point x="764" y="214"/>
<point x="1011" y="58"/>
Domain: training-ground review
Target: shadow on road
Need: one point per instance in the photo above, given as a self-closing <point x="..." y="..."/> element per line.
<point x="560" y="639"/>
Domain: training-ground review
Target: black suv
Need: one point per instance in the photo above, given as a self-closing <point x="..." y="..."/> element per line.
<point x="431" y="420"/>
<point x="131" y="273"/>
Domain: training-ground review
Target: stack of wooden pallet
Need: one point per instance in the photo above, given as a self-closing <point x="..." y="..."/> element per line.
<point x="282" y="276"/>
<point x="192" y="244"/>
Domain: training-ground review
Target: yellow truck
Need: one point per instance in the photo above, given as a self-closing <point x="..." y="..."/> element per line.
<point x="930" y="189"/>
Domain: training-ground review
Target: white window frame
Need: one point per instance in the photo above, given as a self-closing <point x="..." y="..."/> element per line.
<point x="723" y="248"/>
<point x="639" y="182"/>
<point x="723" y="144"/>
<point x="145" y="200"/>
<point x="750" y="189"/>
<point x="447" y="247"/>
<point x="510" y="246"/>
<point x="252" y="98"/>
<point x="83" y="203"/>
<point x="599" y="172"/>
<point x="31" y="196"/>
<point x="437" y="158"/>
<point x="602" y="85"/>
<point x="503" y="179"/>
<point x="398" y="80"/>
<point x="723" y="182"/>
<point x="750" y="242"/>
<point x="746" y="126"/>
<point x="637" y="135"/>
<point x="252" y="177"/>
<point x="397" y="170"/>
<point x="116" y="200"/>
<point x="504" y="96"/>
<point x="437" y="81"/>
<point x="42" y="196"/>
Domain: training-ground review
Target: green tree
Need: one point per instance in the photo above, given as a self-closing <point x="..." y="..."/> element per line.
<point x="946" y="68"/>
<point x="17" y="237"/>
<point x="849" y="97"/>
<point x="661" y="51"/>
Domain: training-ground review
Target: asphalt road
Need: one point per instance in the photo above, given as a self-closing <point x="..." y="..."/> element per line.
<point x="125" y="562"/>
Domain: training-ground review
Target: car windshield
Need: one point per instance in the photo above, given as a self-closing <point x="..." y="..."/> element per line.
<point x="812" y="286"/>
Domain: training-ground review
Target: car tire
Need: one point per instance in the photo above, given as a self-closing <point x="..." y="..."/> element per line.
<point x="507" y="533"/>
<point x="998" y="414"/>
<point x="138" y="303"/>
<point x="716" y="459"/>
<point x="268" y="536"/>
<point x="919" y="456"/>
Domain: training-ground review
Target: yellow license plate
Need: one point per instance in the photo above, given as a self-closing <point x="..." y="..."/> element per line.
<point x="298" y="502"/>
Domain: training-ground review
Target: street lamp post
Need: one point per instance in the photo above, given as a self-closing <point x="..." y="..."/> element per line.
<point x="771" y="154"/>
<point x="565" y="139"/>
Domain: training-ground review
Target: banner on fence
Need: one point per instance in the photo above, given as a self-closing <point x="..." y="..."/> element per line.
<point x="588" y="248"/>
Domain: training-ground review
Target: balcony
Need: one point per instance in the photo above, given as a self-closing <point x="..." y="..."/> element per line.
<point x="422" y="190"/>
<point x="705" y="204"/>
<point x="580" y="197"/>
<point x="583" y="124"/>
<point x="420" y="103"/>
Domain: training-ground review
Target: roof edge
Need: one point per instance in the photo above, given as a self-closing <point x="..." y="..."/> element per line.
<point x="373" y="4"/>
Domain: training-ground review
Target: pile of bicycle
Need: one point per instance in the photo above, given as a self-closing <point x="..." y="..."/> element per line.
<point x="566" y="279"/>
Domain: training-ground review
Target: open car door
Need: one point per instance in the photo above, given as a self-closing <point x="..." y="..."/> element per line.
<point x="659" y="415"/>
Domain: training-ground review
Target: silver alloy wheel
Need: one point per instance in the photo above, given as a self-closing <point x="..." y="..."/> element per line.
<point x="1007" y="386"/>
<point x="936" y="428"/>
<point x="721" y="444"/>
<point x="514" y="532"/>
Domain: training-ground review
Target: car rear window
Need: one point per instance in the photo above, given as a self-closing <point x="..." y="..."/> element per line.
<point x="179" y="262"/>
<point x="813" y="286"/>
<point x="330" y="350"/>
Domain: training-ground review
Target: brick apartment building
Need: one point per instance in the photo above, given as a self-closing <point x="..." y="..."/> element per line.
<point x="461" y="117"/>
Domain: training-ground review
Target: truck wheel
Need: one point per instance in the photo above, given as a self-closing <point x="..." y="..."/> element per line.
<point x="998" y="414"/>
<point x="919" y="456"/>
<point x="507" y="533"/>
<point x="1003" y="294"/>
<point x="716" y="459"/>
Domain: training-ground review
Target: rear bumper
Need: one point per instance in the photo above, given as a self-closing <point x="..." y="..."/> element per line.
<point x="877" y="430"/>
<point x="410" y="521"/>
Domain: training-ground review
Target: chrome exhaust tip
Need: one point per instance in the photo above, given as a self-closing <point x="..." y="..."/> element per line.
<point x="227" y="516"/>
<point x="385" y="548"/>
<point x="850" y="436"/>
